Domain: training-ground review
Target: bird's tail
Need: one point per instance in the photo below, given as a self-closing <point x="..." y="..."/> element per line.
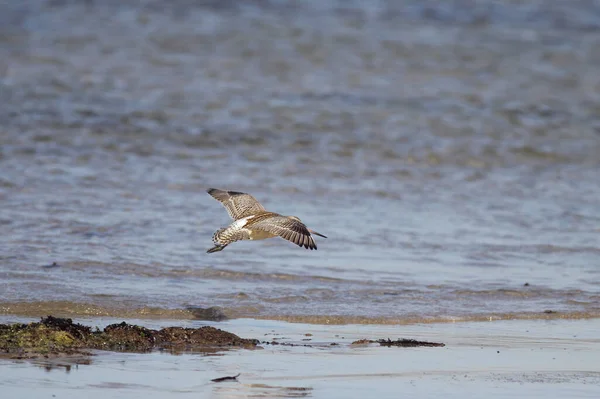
<point x="319" y="234"/>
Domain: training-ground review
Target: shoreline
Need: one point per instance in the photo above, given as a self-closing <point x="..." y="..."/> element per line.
<point x="215" y="313"/>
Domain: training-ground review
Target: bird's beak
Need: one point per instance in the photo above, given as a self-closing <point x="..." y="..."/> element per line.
<point x="314" y="232"/>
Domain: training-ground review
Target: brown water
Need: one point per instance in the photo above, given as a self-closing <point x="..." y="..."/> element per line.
<point x="449" y="150"/>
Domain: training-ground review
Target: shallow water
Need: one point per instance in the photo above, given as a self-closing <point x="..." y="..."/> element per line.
<point x="450" y="152"/>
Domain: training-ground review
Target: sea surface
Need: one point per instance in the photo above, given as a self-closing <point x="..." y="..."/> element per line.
<point x="450" y="151"/>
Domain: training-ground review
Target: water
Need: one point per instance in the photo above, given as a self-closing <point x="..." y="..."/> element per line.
<point x="450" y="152"/>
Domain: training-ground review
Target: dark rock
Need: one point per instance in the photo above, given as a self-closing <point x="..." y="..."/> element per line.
<point x="213" y="313"/>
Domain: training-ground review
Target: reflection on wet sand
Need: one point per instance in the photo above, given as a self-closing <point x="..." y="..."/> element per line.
<point x="265" y="391"/>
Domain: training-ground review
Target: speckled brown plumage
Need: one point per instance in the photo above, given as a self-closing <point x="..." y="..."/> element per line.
<point x="253" y="222"/>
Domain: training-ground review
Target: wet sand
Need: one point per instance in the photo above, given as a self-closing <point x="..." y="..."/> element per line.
<point x="524" y="358"/>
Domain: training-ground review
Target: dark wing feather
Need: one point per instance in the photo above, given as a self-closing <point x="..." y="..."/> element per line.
<point x="289" y="229"/>
<point x="238" y="205"/>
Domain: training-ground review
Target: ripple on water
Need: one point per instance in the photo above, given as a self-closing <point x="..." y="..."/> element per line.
<point x="450" y="154"/>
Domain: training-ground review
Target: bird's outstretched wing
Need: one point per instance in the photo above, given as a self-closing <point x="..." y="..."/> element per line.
<point x="238" y="205"/>
<point x="290" y="229"/>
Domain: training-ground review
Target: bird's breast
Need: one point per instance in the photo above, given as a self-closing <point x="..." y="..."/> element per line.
<point x="259" y="234"/>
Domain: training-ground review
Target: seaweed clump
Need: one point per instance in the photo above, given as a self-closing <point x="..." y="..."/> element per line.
<point x="53" y="337"/>
<point x="408" y="343"/>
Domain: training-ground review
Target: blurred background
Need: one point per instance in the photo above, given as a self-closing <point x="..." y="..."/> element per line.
<point x="450" y="150"/>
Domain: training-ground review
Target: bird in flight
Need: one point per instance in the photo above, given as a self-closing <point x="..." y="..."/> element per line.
<point x="253" y="222"/>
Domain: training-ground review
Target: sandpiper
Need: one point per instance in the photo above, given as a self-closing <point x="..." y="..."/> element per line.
<point x="253" y="222"/>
